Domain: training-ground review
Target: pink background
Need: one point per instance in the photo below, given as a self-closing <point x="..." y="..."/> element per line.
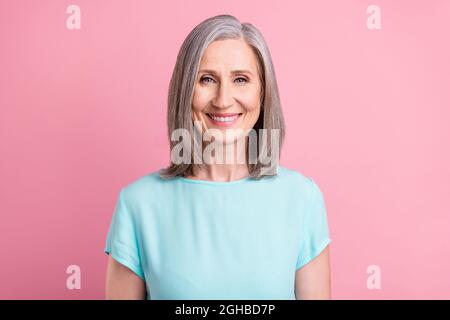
<point x="82" y="113"/>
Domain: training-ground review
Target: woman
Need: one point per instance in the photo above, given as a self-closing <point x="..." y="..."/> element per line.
<point x="208" y="229"/>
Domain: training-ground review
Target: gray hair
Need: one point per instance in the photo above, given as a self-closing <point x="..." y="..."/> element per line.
<point x="181" y="88"/>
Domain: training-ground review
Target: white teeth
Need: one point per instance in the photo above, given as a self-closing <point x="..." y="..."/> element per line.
<point x="224" y="119"/>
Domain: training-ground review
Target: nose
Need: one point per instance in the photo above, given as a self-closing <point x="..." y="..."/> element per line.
<point x="224" y="96"/>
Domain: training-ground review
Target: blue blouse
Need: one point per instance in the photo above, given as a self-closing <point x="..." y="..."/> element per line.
<point x="198" y="239"/>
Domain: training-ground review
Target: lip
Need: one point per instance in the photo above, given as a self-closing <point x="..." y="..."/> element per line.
<point x="223" y="114"/>
<point x="222" y="123"/>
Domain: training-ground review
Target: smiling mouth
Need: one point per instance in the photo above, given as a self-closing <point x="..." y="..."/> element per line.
<point x="224" y="118"/>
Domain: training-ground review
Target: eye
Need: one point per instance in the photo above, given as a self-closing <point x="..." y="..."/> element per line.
<point x="206" y="78"/>
<point x="241" y="80"/>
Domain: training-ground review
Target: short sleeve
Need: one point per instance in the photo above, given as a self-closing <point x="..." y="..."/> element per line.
<point x="315" y="233"/>
<point x="121" y="241"/>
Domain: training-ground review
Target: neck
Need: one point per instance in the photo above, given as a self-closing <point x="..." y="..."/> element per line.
<point x="220" y="172"/>
<point x="225" y="172"/>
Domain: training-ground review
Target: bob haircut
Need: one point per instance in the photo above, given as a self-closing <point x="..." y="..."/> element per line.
<point x="181" y="88"/>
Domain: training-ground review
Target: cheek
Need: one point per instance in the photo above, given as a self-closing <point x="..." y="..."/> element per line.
<point x="251" y="101"/>
<point x="200" y="99"/>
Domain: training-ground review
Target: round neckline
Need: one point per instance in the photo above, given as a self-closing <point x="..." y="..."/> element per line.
<point x="215" y="183"/>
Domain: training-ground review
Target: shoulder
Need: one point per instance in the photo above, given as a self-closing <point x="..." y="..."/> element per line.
<point x="298" y="184"/>
<point x="145" y="188"/>
<point x="296" y="179"/>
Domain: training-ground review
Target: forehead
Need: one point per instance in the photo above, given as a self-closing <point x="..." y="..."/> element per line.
<point x="233" y="53"/>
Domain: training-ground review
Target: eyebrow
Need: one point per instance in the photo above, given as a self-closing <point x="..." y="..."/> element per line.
<point x="233" y="72"/>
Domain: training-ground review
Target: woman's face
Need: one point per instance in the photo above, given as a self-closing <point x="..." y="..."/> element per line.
<point x="227" y="89"/>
